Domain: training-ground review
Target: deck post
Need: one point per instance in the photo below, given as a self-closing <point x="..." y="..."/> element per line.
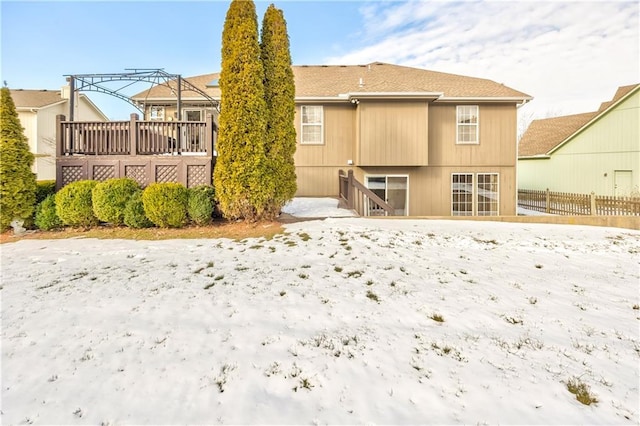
<point x="133" y="135"/>
<point x="208" y="132"/>
<point x="59" y="135"/>
<point x="350" y="190"/>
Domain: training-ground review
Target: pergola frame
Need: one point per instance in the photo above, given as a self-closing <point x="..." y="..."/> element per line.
<point x="156" y="76"/>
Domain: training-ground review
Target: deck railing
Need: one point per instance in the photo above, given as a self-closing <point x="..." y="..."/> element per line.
<point x="360" y="198"/>
<point x="134" y="137"/>
<point x="562" y="203"/>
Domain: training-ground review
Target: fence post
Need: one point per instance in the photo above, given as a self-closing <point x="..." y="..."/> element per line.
<point x="592" y="198"/>
<point x="548" y="202"/>
<point x="133" y="135"/>
<point x="350" y="190"/>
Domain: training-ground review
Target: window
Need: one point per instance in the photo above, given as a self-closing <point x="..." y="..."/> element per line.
<point x="462" y="194"/>
<point x="467" y="124"/>
<point x="311" y="125"/>
<point x="480" y="198"/>
<point x="487" y="194"/>
<point x="156" y="113"/>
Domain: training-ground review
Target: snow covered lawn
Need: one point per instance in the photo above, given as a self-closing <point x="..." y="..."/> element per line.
<point x="340" y="321"/>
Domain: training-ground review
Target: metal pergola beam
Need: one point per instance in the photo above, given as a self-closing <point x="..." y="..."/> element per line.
<point x="94" y="82"/>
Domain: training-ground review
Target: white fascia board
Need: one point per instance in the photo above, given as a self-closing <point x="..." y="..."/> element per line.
<point x="395" y="95"/>
<point x="307" y="99"/>
<point x="484" y="99"/>
<point x="535" y="157"/>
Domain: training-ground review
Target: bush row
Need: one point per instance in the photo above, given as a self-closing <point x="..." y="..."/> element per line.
<point x="121" y="201"/>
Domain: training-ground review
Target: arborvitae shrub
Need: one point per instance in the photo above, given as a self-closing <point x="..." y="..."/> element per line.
<point x="44" y="188"/>
<point x="201" y="204"/>
<point x="46" y="216"/>
<point x="279" y="92"/>
<point x="165" y="204"/>
<point x="17" y="181"/>
<point x="134" y="216"/>
<point x="74" y="205"/>
<point x="110" y="199"/>
<point x="241" y="166"/>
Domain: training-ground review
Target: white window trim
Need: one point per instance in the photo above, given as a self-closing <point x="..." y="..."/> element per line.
<point x="497" y="193"/>
<point x="157" y="109"/>
<point x="406" y="208"/>
<point x="458" y="124"/>
<point x="302" y="125"/>
<point x="474" y="192"/>
<point x="200" y="110"/>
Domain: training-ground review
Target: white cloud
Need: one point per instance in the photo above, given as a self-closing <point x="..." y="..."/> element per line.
<point x="570" y="56"/>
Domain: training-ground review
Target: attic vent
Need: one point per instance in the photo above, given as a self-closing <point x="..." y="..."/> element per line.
<point x="361" y="83"/>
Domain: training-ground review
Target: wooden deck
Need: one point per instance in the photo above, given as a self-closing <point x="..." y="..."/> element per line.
<point x="146" y="151"/>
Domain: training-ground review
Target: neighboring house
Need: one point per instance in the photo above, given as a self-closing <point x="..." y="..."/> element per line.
<point x="592" y="152"/>
<point x="428" y="143"/>
<point x="37" y="110"/>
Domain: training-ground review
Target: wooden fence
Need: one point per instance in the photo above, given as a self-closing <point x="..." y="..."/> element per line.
<point x="146" y="151"/>
<point x="360" y="198"/>
<point x="562" y="203"/>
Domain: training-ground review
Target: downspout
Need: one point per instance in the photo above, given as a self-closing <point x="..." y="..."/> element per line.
<point x="517" y="185"/>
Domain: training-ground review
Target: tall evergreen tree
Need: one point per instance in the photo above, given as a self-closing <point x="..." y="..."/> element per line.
<point x="241" y="165"/>
<point x="279" y="90"/>
<point x="17" y="181"/>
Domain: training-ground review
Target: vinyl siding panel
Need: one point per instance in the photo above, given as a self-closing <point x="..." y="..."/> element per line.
<point x="393" y="133"/>
<point x="339" y="134"/>
<point x="497" y="127"/>
<point x="430" y="187"/>
<point x="587" y="163"/>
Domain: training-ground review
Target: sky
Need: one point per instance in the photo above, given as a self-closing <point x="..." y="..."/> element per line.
<point x="569" y="55"/>
<point x="342" y="321"/>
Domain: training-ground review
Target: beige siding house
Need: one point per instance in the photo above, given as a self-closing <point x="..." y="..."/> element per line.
<point x="37" y="110"/>
<point x="428" y="143"/>
<point x="592" y="152"/>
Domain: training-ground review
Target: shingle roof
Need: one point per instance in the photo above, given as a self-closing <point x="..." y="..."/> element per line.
<point x="334" y="80"/>
<point x="35" y="98"/>
<point x="544" y="135"/>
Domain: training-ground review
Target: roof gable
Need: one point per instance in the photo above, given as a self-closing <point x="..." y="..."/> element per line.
<point x="546" y="135"/>
<point x="35" y="98"/>
<point x="330" y="81"/>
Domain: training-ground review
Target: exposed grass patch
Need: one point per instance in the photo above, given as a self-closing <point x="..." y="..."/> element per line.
<point x="354" y="274"/>
<point x="582" y="391"/>
<point x="437" y="317"/>
<point x="218" y="229"/>
<point x="304" y="236"/>
<point x="371" y="295"/>
<point x="303" y="276"/>
<point x="338" y="269"/>
<point x="369" y="282"/>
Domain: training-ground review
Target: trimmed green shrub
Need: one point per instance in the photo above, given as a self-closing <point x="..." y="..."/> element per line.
<point x="74" y="205"/>
<point x="134" y="216"/>
<point x="44" y="188"/>
<point x="110" y="199"/>
<point x="46" y="216"/>
<point x="165" y="204"/>
<point x="201" y="204"/>
<point x="17" y="181"/>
